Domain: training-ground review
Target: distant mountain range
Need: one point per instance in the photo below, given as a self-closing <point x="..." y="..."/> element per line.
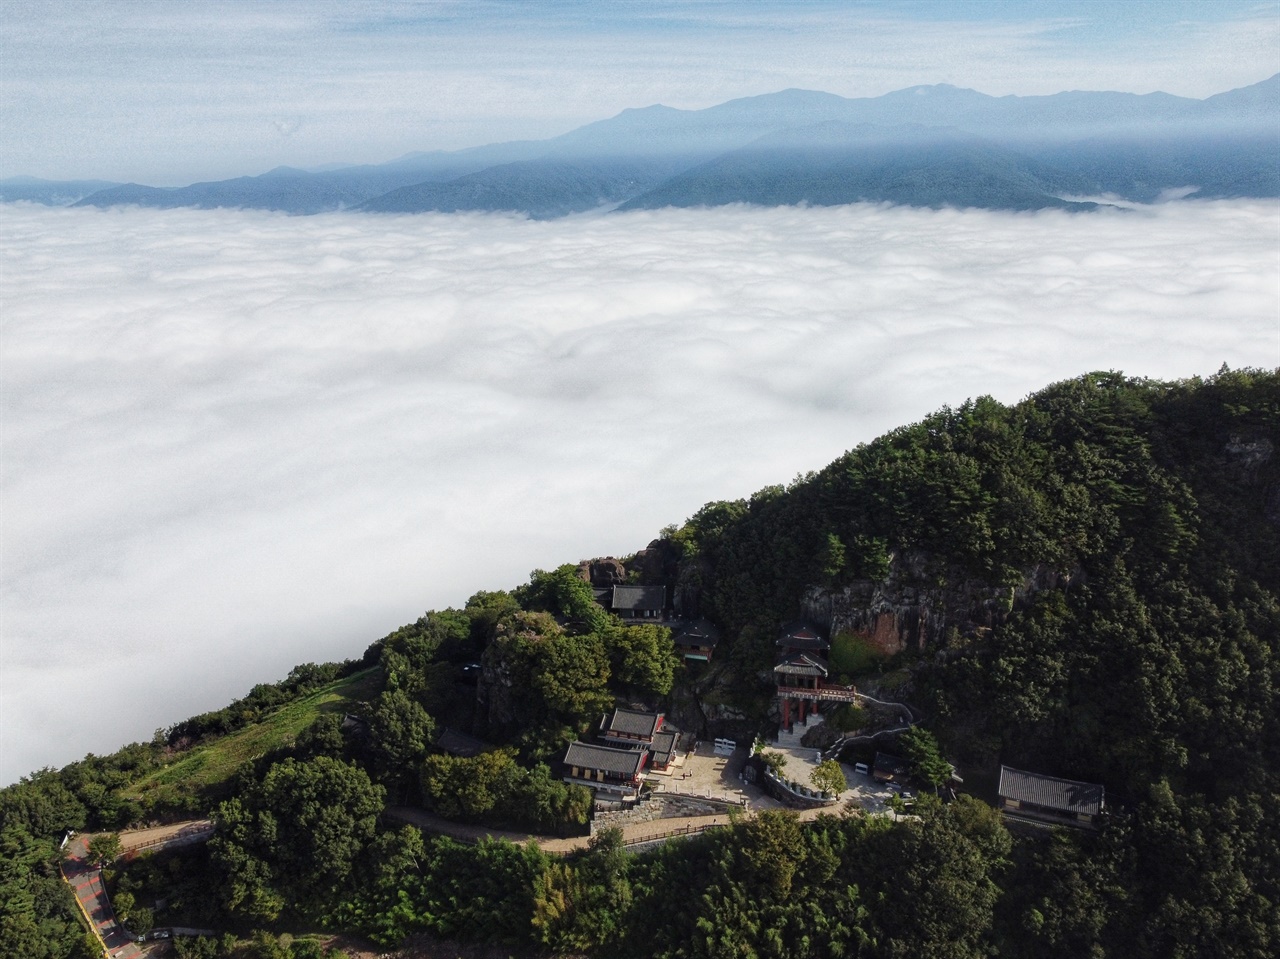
<point x="924" y="146"/>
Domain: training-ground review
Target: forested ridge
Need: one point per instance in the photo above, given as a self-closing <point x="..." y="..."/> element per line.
<point x="1090" y="586"/>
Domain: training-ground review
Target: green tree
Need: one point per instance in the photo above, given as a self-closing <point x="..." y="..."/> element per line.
<point x="467" y="788"/>
<point x="934" y="877"/>
<point x="847" y="717"/>
<point x="571" y="679"/>
<point x="267" y="945"/>
<point x="562" y="593"/>
<point x="141" y="920"/>
<point x="828" y="777"/>
<point x="123" y="903"/>
<point x="582" y="906"/>
<point x="831" y="559"/>
<point x="293" y="837"/>
<point x="771" y="848"/>
<point x="400" y="734"/>
<point x="104" y="848"/>
<point x="926" y="759"/>
<point x="642" y="657"/>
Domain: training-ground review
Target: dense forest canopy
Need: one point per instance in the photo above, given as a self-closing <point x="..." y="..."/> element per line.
<point x="1086" y="583"/>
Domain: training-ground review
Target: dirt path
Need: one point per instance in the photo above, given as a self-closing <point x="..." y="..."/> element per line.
<point x="632" y="833"/>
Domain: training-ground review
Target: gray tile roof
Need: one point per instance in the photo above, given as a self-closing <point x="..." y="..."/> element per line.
<point x="698" y="635"/>
<point x="664" y="746"/>
<point x="633" y="722"/>
<point x="800" y="636"/>
<point x="802" y="664"/>
<point x="639" y="597"/>
<point x="623" y="762"/>
<point x="460" y="744"/>
<point x="1049" y="792"/>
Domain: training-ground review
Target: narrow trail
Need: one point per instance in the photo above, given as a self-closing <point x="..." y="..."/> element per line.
<point x="633" y="834"/>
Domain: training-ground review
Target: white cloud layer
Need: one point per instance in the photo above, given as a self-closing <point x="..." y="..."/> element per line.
<point x="234" y="442"/>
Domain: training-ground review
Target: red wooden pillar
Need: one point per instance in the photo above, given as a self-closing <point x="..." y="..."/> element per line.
<point x="786" y="714"/>
<point x="804" y="710"/>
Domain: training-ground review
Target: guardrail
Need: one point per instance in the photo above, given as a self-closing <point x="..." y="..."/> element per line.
<point x="93" y="927"/>
<point x="691" y="830"/>
<point x="829" y="693"/>
<point x="699" y="797"/>
<point x="183" y="837"/>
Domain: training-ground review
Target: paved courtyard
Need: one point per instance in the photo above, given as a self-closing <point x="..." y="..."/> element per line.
<point x="703" y="772"/>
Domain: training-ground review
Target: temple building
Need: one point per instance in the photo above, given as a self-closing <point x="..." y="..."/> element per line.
<point x="638" y="602"/>
<point x="630" y="727"/>
<point x="614" y="772"/>
<point x="695" y="642"/>
<point x="1065" y="802"/>
<point x="801" y="675"/>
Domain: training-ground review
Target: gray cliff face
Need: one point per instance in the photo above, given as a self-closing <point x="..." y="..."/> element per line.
<point x="495" y="702"/>
<point x="914" y="608"/>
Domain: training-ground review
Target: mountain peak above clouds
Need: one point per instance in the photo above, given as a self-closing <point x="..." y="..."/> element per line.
<point x="1133" y="145"/>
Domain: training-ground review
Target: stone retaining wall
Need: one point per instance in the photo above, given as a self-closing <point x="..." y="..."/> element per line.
<point x="661" y="806"/>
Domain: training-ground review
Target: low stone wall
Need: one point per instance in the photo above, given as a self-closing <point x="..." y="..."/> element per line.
<point x="801" y="797"/>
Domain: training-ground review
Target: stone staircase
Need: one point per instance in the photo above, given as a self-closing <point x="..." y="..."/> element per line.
<point x="792" y="739"/>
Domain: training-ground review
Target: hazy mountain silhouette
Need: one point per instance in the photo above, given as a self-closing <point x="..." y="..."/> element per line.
<point x="49" y="192"/>
<point x="926" y="145"/>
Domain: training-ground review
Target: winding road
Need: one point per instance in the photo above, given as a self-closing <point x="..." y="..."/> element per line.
<point x="85" y="879"/>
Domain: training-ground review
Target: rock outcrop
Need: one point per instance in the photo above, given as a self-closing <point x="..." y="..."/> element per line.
<point x="602" y="572"/>
<point x="916" y="608"/>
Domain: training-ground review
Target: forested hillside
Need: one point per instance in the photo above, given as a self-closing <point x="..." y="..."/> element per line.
<point x="1102" y="566"/>
<point x="1086" y="584"/>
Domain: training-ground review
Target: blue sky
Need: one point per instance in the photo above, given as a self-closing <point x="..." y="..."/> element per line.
<point x="169" y="92"/>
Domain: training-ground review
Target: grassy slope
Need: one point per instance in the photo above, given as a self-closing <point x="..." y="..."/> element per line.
<point x="204" y="768"/>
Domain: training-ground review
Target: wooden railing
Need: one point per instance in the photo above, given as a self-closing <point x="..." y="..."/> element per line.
<point x="844" y="694"/>
<point x="691" y="830"/>
<point x="184" y="837"/>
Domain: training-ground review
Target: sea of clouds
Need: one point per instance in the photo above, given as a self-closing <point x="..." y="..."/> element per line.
<point x="237" y="441"/>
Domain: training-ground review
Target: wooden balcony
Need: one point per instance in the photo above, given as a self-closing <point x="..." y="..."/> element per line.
<point x="838" y="694"/>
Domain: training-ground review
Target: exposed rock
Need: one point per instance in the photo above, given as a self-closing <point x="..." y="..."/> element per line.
<point x="915" y="606"/>
<point x="821" y="736"/>
<point x="495" y="702"/>
<point x="1249" y="453"/>
<point x="603" y="572"/>
<point x="659" y="562"/>
<point x="502" y="698"/>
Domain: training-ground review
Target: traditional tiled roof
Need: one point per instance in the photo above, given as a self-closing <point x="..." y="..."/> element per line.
<point x="664" y="746"/>
<point x="802" y="664"/>
<point x="802" y="637"/>
<point x="632" y="722"/>
<point x="699" y="635"/>
<point x="460" y="744"/>
<point x="891" y="766"/>
<point x="1049" y="792"/>
<point x="623" y="762"/>
<point x="639" y="597"/>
